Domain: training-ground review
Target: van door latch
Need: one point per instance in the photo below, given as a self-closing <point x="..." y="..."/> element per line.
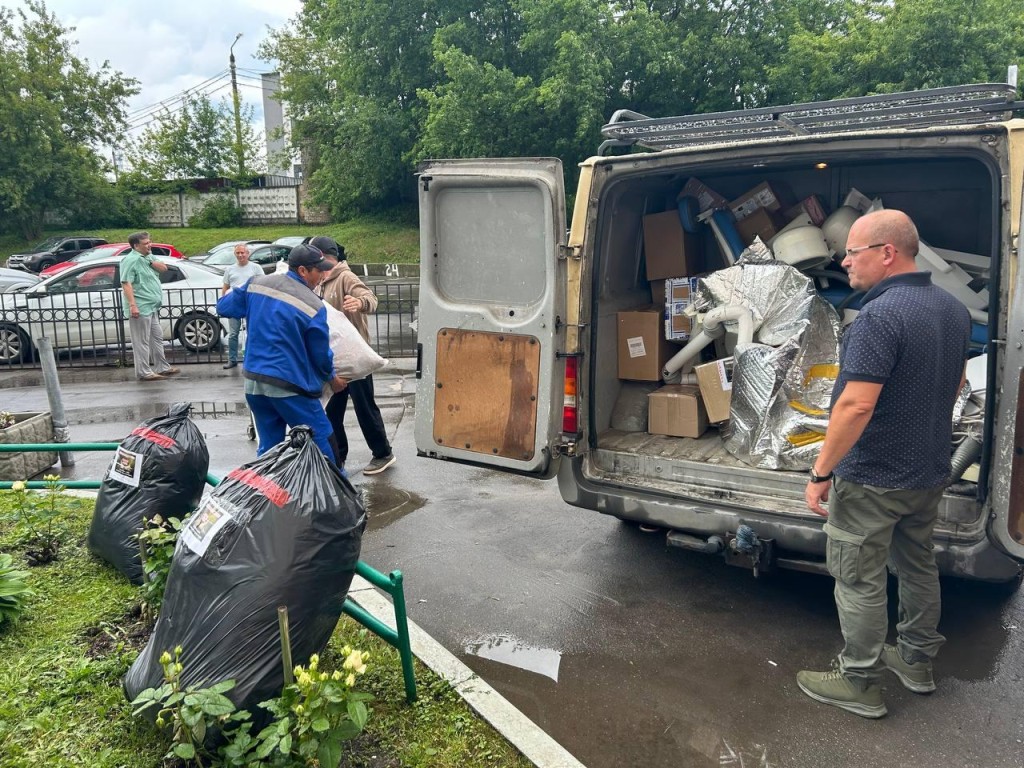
<point x="569" y="252"/>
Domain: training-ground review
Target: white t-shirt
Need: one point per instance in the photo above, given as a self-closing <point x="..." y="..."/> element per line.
<point x="236" y="276"/>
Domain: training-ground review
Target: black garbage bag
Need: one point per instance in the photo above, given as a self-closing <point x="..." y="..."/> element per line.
<point x="159" y="469"/>
<point x="285" y="529"/>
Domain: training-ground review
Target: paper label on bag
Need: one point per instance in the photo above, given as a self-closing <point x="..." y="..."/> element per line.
<point x="126" y="467"/>
<point x="636" y="347"/>
<point x="204" y="525"/>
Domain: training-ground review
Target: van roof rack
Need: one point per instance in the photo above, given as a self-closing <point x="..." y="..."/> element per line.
<point x="955" y="105"/>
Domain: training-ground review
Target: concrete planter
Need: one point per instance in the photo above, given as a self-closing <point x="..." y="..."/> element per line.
<point x="27" y="428"/>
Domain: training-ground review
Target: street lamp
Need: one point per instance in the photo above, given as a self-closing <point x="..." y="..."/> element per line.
<point x="239" y="151"/>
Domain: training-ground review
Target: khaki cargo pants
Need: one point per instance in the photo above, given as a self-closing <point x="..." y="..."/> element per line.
<point x="869" y="527"/>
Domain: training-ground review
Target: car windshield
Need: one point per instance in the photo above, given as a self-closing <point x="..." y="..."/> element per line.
<point x="103" y="252"/>
<point x="221" y="258"/>
<point x="228" y="244"/>
<point x="46" y="245"/>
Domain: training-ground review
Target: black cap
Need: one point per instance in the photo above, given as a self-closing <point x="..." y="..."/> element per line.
<point x="310" y="257"/>
<point x="329" y="246"/>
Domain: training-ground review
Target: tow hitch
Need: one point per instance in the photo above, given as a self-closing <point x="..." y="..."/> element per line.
<point x="747" y="550"/>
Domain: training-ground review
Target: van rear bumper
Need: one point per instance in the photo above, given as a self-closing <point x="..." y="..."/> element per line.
<point x="798" y="534"/>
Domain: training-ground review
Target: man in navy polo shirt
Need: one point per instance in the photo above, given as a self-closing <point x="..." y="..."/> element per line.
<point x="888" y="446"/>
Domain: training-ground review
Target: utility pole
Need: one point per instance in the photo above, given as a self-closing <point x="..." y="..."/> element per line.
<point x="239" y="151"/>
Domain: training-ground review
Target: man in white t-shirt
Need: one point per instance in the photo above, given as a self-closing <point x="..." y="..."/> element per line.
<point x="236" y="276"/>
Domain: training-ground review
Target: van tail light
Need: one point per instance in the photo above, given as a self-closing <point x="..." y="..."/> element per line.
<point x="570" y="413"/>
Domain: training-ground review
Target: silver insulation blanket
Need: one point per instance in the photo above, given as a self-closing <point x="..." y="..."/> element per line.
<point x="782" y="383"/>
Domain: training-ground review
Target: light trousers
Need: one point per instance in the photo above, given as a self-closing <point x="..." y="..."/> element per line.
<point x="147" y="345"/>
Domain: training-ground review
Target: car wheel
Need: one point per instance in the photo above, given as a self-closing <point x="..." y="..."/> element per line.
<point x="15" y="346"/>
<point x="198" y="333"/>
<point x="45" y="264"/>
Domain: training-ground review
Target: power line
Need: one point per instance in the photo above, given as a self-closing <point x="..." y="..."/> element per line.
<point x="150" y="119"/>
<point x="179" y="95"/>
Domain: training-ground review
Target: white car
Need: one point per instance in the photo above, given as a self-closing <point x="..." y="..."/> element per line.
<point x="80" y="308"/>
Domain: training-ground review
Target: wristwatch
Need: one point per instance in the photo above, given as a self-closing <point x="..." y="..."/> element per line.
<point x="816" y="478"/>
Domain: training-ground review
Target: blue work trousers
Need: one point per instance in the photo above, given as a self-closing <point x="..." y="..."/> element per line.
<point x="274" y="415"/>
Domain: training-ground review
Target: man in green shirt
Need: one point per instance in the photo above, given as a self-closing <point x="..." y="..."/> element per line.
<point x="140" y="281"/>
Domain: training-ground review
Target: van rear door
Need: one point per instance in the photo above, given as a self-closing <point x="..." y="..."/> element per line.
<point x="491" y="312"/>
<point x="1007" y="467"/>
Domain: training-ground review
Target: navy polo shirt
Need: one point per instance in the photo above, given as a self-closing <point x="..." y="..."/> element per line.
<point x="911" y="337"/>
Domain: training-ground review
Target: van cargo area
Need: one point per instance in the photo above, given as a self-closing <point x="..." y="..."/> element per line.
<point x="950" y="185"/>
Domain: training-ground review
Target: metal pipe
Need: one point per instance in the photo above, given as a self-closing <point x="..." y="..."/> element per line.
<point x="53" y="394"/>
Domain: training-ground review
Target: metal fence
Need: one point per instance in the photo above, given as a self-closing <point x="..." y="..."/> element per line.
<point x="88" y="327"/>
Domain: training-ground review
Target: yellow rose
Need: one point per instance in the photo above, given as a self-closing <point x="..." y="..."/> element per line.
<point x="18" y="485"/>
<point x="350" y="680"/>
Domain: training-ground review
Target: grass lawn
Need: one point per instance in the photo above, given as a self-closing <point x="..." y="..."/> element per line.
<point x="383" y="239"/>
<point x="61" y="702"/>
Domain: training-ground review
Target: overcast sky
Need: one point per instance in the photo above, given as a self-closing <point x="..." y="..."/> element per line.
<point x="173" y="45"/>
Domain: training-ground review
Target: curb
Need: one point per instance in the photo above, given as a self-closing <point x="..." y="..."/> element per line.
<point x="525" y="735"/>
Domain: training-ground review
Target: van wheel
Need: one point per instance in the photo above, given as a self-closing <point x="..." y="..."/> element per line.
<point x="198" y="332"/>
<point x="15" y="346"/>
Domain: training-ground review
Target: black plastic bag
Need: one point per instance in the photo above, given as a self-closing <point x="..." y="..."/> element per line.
<point x="285" y="529"/>
<point x="159" y="469"/>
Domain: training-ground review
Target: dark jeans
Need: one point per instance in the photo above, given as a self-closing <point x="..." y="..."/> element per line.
<point x="368" y="414"/>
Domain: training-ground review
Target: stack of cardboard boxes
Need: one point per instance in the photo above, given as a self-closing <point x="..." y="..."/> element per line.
<point x="649" y="336"/>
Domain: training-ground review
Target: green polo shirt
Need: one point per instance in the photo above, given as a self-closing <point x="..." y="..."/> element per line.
<point x="136" y="269"/>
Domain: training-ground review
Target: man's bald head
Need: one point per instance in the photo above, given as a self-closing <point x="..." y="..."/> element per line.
<point x="880" y="245"/>
<point x="889" y="226"/>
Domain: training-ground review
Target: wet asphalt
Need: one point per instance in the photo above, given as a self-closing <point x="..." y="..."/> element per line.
<point x="626" y="652"/>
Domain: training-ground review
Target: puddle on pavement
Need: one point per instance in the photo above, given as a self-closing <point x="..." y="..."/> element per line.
<point x="385" y="505"/>
<point x="509" y="650"/>
<point x="142" y="411"/>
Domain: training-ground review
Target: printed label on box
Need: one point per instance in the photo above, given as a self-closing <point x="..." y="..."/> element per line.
<point x="212" y="515"/>
<point x="725" y="376"/>
<point x="636" y="346"/>
<point x="126" y="467"/>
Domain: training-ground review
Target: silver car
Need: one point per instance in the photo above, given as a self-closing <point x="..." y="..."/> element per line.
<point x="80" y="308"/>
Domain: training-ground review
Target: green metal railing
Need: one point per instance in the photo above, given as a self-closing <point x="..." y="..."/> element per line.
<point x="391" y="583"/>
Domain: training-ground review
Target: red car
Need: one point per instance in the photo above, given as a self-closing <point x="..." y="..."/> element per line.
<point x="105" y="252"/>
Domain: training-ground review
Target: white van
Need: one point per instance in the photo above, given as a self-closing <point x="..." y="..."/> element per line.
<point x="517" y="322"/>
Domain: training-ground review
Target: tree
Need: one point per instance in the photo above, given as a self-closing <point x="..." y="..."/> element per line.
<point x="195" y="141"/>
<point x="54" y="112"/>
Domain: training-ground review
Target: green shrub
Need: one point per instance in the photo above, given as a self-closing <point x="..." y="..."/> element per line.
<point x="156" y="545"/>
<point x="220" y="212"/>
<point x="13" y="590"/>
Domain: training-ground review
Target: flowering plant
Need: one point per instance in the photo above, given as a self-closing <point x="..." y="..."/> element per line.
<point x="38" y="518"/>
<point x="6" y="419"/>
<point x="317" y="713"/>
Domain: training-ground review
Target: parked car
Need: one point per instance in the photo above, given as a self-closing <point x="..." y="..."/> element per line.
<point x="228" y="246"/>
<point x="80" y="308"/>
<point x="51" y="251"/>
<point x="107" y="251"/>
<point x="15" y="279"/>
<point x="267" y="256"/>
<point x="292" y="240"/>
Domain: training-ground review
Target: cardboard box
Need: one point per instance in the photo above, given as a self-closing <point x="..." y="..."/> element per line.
<point x="760" y="223"/>
<point x="676" y="410"/>
<point x="678" y="293"/>
<point x="707" y="199"/>
<point x="669" y="250"/>
<point x="715" y="381"/>
<point x="643" y="350"/>
<point x="812" y="207"/>
<point x="761" y="196"/>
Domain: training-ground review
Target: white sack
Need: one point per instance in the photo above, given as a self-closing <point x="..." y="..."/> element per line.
<point x="353" y="357"/>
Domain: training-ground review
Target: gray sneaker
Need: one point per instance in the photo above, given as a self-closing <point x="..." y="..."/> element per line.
<point x="916" y="677"/>
<point x="836" y="689"/>
<point x="376" y="466"/>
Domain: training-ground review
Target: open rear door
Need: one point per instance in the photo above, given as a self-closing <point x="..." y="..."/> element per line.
<point x="491" y="312"/>
<point x="1007" y="468"/>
